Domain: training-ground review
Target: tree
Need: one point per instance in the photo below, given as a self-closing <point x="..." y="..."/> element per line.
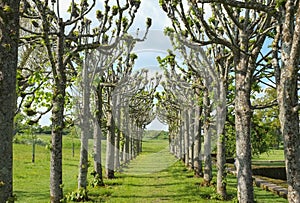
<point x="214" y="87"/>
<point x="69" y="39"/>
<point x="142" y="108"/>
<point x="287" y="91"/>
<point x="181" y="104"/>
<point x="9" y="36"/>
<point x="241" y="27"/>
<point x="33" y="84"/>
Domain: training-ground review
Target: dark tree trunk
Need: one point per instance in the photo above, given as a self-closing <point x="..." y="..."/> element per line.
<point x="9" y="35"/>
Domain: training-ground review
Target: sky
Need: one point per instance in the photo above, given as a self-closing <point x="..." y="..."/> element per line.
<point x="156" y="44"/>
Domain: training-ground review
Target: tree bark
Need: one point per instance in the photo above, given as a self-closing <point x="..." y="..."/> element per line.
<point x="85" y="126"/>
<point x="97" y="153"/>
<point x="289" y="120"/>
<point x="242" y="126"/>
<point x="197" y="144"/>
<point x="110" y="147"/>
<point x="207" y="175"/>
<point x="186" y="136"/>
<point x="117" y="110"/>
<point x="181" y="140"/>
<point x="98" y="136"/>
<point x="192" y="136"/>
<point x="9" y="35"/>
<point x="287" y="93"/>
<point x="56" y="190"/>
<point x="220" y="122"/>
<point x="126" y="153"/>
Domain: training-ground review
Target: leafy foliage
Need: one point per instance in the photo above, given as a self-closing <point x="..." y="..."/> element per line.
<point x="80" y="195"/>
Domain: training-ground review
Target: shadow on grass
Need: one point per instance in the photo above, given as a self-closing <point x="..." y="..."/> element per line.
<point x="153" y="185"/>
<point x="24" y="195"/>
<point x="147" y="176"/>
<point x="149" y="197"/>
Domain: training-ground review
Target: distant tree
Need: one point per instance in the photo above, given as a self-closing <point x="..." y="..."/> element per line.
<point x="265" y="133"/>
<point x="181" y="104"/>
<point x="9" y="36"/>
<point x="19" y="123"/>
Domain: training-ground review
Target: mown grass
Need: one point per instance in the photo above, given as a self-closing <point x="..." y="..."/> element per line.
<point x="155" y="176"/>
<point x="270" y="158"/>
<point x="31" y="180"/>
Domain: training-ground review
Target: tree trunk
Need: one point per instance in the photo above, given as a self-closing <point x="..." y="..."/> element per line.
<point x="288" y="98"/>
<point x="97" y="154"/>
<point x="133" y="140"/>
<point x="207" y="175"/>
<point x="137" y="140"/>
<point x="289" y="120"/>
<point x="85" y="126"/>
<point x="117" y="150"/>
<point x="242" y="126"/>
<point x="186" y="136"/>
<point x="172" y="141"/>
<point x="181" y="140"/>
<point x="117" y="109"/>
<point x="33" y="150"/>
<point x="56" y="190"/>
<point x="192" y="137"/>
<point x="197" y="144"/>
<point x="220" y="122"/>
<point x="126" y="153"/>
<point x="221" y="161"/>
<point x="9" y="35"/>
<point x="98" y="137"/>
<point x="110" y="147"/>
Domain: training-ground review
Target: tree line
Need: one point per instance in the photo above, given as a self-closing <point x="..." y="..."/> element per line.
<point x="233" y="51"/>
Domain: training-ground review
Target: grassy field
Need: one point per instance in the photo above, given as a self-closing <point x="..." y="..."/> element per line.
<point x="275" y="154"/>
<point x="271" y="158"/>
<point x="155" y="176"/>
<point x="31" y="180"/>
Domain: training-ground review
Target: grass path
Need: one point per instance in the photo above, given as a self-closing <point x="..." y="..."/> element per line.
<point x="156" y="176"/>
<point x="149" y="163"/>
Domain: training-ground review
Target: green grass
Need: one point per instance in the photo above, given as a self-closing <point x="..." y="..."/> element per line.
<point x="31" y="180"/>
<point x="154" y="176"/>
<point x="271" y="158"/>
<point x="275" y="155"/>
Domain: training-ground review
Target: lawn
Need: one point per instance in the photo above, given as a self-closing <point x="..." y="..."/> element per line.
<point x="31" y="180"/>
<point x="155" y="176"/>
<point x="270" y="158"/>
